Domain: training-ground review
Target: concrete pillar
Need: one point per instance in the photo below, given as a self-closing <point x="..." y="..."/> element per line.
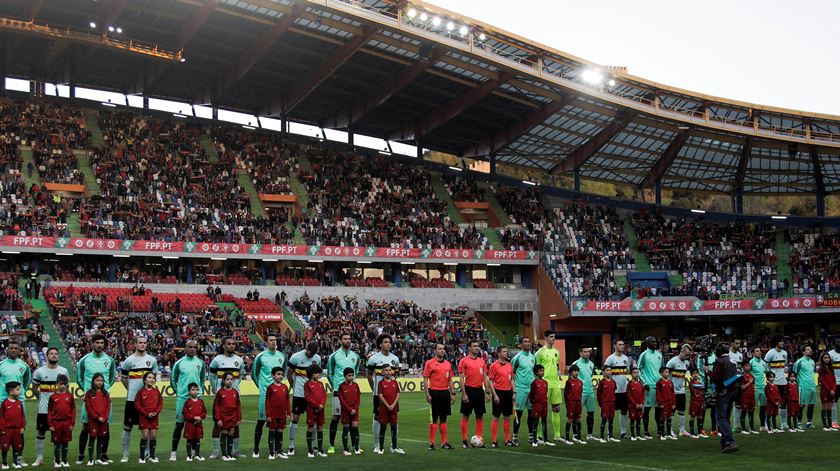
<point x="396" y="273"/>
<point x="657" y="192"/>
<point x="188" y="265"/>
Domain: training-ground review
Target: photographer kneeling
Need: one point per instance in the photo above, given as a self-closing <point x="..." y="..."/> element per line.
<point x="727" y="380"/>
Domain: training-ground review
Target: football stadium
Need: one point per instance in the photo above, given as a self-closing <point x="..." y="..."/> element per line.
<point x="319" y="231"/>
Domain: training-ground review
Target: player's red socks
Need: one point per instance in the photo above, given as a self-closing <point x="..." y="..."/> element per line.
<point x="432" y="433"/>
<point x="444" y="433"/>
<point x="464" y="426"/>
<point x="494" y="428"/>
<point x="506" y="425"/>
<point x="479" y="427"/>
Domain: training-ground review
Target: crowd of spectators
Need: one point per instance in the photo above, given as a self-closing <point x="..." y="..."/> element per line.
<point x="358" y="200"/>
<point x="157" y="183"/>
<point x="415" y="330"/>
<point x="52" y="131"/>
<point x="584" y="246"/>
<point x="814" y="260"/>
<point x="528" y="217"/>
<point x="463" y="188"/>
<point x="713" y="258"/>
<point x="77" y="314"/>
<point x="266" y="158"/>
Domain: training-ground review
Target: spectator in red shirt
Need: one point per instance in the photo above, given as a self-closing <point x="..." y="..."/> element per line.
<point x="572" y="393"/>
<point x="606" y="401"/>
<point x="389" y="398"/>
<point x="148" y="403"/>
<point x="276" y="412"/>
<point x="666" y="402"/>
<point x="350" y="396"/>
<point x="538" y="396"/>
<point x="194" y="411"/>
<point x="98" y="409"/>
<point x="61" y="417"/>
<point x="14" y="424"/>
<point x="472" y="369"/>
<point x="316" y="398"/>
<point x="227" y="412"/>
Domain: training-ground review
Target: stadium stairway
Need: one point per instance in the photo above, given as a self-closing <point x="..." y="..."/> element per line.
<point x="642" y="262"/>
<point x="498" y="210"/>
<point x="245" y="182"/>
<point x="503" y="325"/>
<point x="255" y="337"/>
<point x="26" y="158"/>
<point x="293" y="322"/>
<point x="210" y="148"/>
<point x="55" y="340"/>
<point x="92" y="125"/>
<point x="91" y="185"/>
<point x="442" y="194"/>
<point x="74" y="226"/>
<point x="304" y="162"/>
<point x="783" y="270"/>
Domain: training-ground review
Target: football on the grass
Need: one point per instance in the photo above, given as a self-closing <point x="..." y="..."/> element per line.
<point x="476" y="441"/>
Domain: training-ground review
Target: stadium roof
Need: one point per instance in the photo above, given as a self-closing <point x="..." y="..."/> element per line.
<point x="406" y="71"/>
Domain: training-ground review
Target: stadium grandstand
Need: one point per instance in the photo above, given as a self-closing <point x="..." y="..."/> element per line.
<point x="194" y="170"/>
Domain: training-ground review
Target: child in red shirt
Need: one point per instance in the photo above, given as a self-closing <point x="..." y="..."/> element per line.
<point x="697" y="406"/>
<point x="14" y="424"/>
<point x="227" y="412"/>
<point x="316" y="398"/>
<point x="194" y="412"/>
<point x="774" y="401"/>
<point x="606" y="400"/>
<point x="828" y="386"/>
<point x="747" y="400"/>
<point x="538" y="397"/>
<point x="350" y="397"/>
<point x="389" y="398"/>
<point x="98" y="409"/>
<point x="149" y="403"/>
<point x="792" y="401"/>
<point x="61" y="418"/>
<point x="276" y="412"/>
<point x="635" y="404"/>
<point x="573" y="393"/>
<point x="666" y="402"/>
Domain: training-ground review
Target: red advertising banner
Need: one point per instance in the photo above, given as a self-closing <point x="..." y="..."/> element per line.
<point x="219" y="248"/>
<point x="265" y="317"/>
<point x="694" y="304"/>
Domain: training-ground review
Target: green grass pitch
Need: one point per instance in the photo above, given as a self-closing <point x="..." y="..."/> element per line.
<point x="812" y="450"/>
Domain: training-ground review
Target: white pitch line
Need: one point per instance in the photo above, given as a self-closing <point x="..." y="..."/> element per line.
<point x="564" y="458"/>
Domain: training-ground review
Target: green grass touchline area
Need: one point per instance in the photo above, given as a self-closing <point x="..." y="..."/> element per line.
<point x="91" y="185"/>
<point x="642" y="263"/>
<point x="783" y="270"/>
<point x="812" y="450"/>
<point x="28" y="157"/>
<point x="209" y="147"/>
<point x="55" y="339"/>
<point x="244" y="180"/>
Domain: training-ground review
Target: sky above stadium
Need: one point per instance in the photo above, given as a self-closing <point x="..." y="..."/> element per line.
<point x="770" y="52"/>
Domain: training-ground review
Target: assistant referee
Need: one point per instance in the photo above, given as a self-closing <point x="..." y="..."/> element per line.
<point x="440" y="394"/>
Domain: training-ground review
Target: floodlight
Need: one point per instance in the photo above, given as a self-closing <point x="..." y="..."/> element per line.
<point x="592" y="76"/>
<point x="411" y="13"/>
